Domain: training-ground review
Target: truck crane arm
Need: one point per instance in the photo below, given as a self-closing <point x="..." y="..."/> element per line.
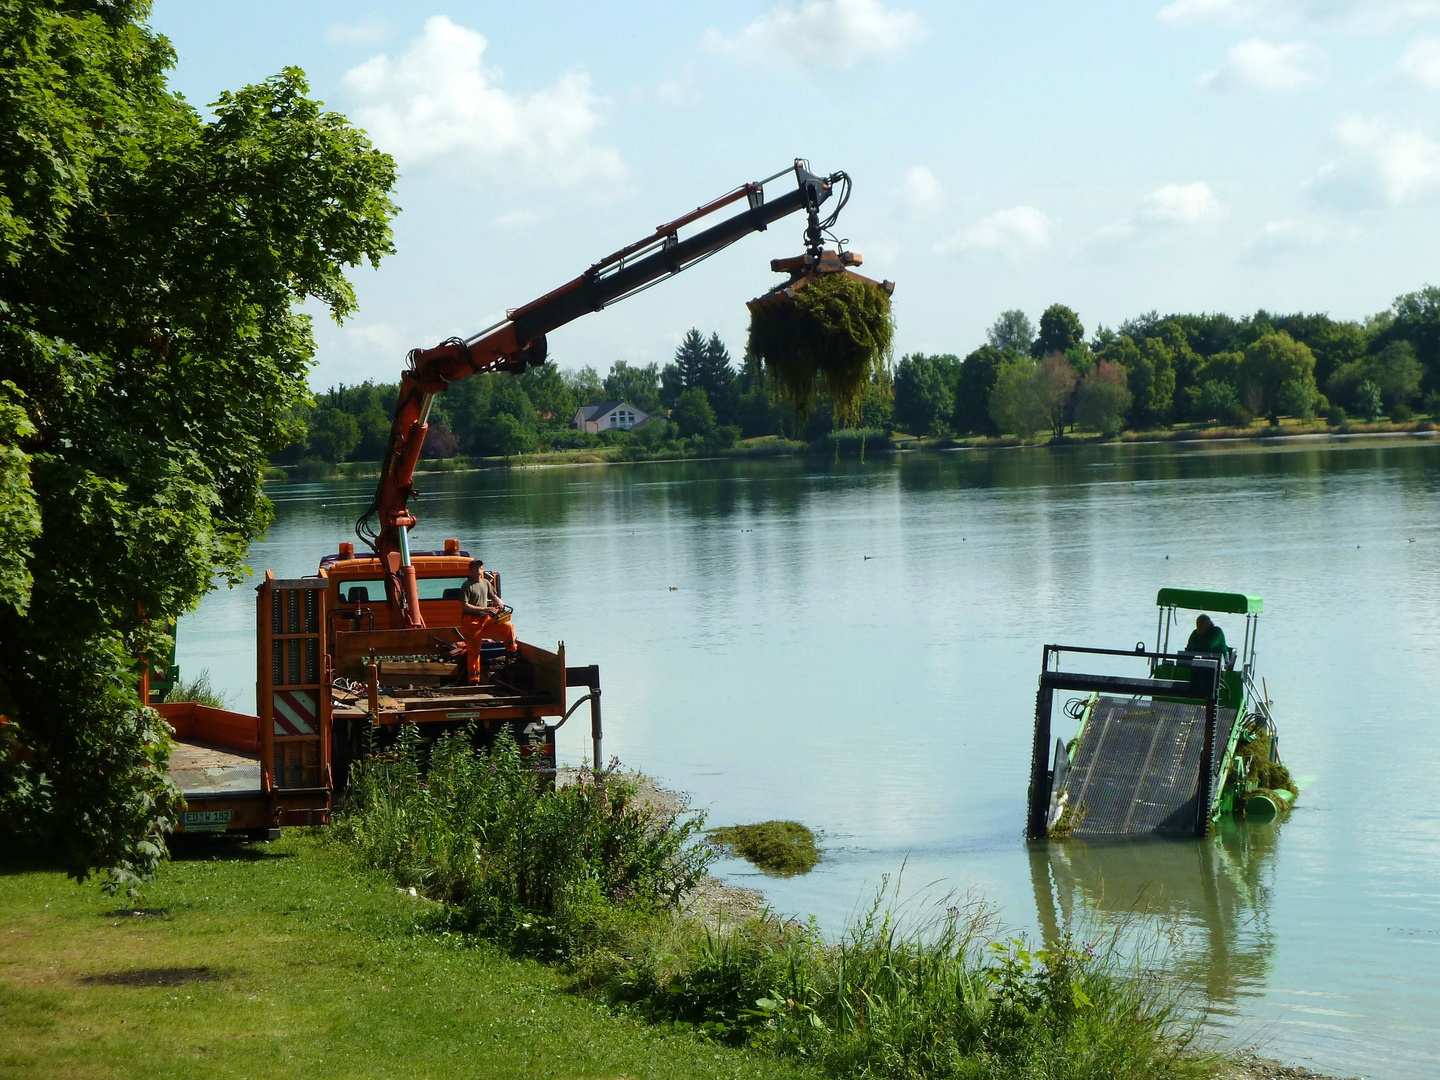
<point x="518" y="342"/>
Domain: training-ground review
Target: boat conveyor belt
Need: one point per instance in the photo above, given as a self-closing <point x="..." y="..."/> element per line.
<point x="1136" y="765"/>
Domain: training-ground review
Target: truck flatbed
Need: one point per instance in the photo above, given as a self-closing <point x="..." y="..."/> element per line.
<point x="202" y="768"/>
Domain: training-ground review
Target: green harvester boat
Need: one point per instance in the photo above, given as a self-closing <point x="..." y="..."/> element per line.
<point x="1167" y="752"/>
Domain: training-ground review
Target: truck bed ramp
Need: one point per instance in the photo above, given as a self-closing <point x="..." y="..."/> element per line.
<point x="1135" y="768"/>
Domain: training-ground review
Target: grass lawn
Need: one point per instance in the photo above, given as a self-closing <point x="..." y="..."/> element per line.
<point x="283" y="960"/>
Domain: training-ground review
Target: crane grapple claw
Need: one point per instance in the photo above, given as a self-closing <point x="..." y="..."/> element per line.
<point x="803" y="270"/>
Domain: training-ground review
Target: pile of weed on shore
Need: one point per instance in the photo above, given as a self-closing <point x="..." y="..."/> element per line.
<point x="783" y="848"/>
<point x="586" y="877"/>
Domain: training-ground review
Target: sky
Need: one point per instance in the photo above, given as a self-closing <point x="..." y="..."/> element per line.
<point x="1192" y="155"/>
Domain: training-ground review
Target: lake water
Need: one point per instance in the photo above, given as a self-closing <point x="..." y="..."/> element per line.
<point x="857" y="647"/>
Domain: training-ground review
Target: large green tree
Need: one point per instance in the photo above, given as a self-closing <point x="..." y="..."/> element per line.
<point x="1011" y="332"/>
<point x="152" y="264"/>
<point x="1104" y="398"/>
<point x="555" y="400"/>
<point x="1060" y="332"/>
<point x="1394" y="370"/>
<point x="1271" y="363"/>
<point x="635" y="384"/>
<point x="976" y="380"/>
<point x="1016" y="405"/>
<point x="925" y="393"/>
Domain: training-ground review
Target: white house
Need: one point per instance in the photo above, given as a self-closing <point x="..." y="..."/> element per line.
<point x="608" y="416"/>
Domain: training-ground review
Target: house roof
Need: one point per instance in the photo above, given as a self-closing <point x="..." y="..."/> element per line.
<point x="590" y="412"/>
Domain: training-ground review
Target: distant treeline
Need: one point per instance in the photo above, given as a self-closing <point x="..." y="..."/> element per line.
<point x="700" y="402"/>
<point x="1150" y="372"/>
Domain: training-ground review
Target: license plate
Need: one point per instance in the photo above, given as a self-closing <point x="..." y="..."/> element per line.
<point x="205" y="820"/>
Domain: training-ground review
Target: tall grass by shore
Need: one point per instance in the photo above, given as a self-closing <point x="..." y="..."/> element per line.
<point x="587" y="877"/>
<point x="540" y="869"/>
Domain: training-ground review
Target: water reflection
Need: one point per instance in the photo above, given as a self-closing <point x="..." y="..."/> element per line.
<point x="1215" y="892"/>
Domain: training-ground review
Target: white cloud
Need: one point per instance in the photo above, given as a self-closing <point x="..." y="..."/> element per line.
<point x="1421" y="63"/>
<point x="921" y="191"/>
<point x="675" y="91"/>
<point x="1010" y="232"/>
<point x="1381" y="162"/>
<point x="521" y="220"/>
<point x="822" y="34"/>
<point x="1233" y="12"/>
<point x="1360" y="15"/>
<point x="1164" y="210"/>
<point x="1183" y="204"/>
<point x="436" y="101"/>
<point x="368" y="32"/>
<point x="1256" y="64"/>
<point x="1283" y="237"/>
<point x="379" y="339"/>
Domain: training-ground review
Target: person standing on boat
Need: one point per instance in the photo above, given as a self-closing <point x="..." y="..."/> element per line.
<point x="482" y="618"/>
<point x="1206" y="637"/>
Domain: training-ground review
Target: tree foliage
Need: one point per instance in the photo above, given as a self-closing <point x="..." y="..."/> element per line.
<point x="1395" y="371"/>
<point x="1011" y="332"/>
<point x="1104" y="399"/>
<point x="1015" y="403"/>
<point x="1060" y="332"/>
<point x="19" y="513"/>
<point x="636" y="384"/>
<point x="1415" y="317"/>
<point x="151" y="268"/>
<point x="702" y="364"/>
<point x="925" y="393"/>
<point x="1055" y="380"/>
<point x="693" y="416"/>
<point x="973" y="386"/>
<point x="1271" y="362"/>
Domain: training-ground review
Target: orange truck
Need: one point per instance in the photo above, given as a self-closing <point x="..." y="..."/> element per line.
<point x="335" y="680"/>
<point x="374" y="639"/>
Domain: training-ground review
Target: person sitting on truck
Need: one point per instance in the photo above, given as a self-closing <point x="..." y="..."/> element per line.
<point x="482" y="618"/>
<point x="1206" y="637"/>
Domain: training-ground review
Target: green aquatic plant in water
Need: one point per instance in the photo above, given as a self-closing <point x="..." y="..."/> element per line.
<point x="777" y="847"/>
<point x="839" y="330"/>
<point x="1270" y="776"/>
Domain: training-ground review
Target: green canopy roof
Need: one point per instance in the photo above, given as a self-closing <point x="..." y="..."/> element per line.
<point x="1235" y="603"/>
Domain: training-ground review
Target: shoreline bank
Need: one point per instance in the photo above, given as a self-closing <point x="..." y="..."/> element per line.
<point x="1218" y="439"/>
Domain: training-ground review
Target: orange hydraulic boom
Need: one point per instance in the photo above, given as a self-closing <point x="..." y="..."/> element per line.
<point x="518" y="342"/>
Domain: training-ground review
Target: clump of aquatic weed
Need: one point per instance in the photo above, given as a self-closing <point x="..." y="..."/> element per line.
<point x="836" y="329"/>
<point x="1270" y="776"/>
<point x="782" y="848"/>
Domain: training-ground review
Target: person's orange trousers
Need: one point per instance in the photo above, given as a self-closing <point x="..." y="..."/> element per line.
<point x="478" y="628"/>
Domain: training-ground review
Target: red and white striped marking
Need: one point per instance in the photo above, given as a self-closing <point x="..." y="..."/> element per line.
<point x="296" y="712"/>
